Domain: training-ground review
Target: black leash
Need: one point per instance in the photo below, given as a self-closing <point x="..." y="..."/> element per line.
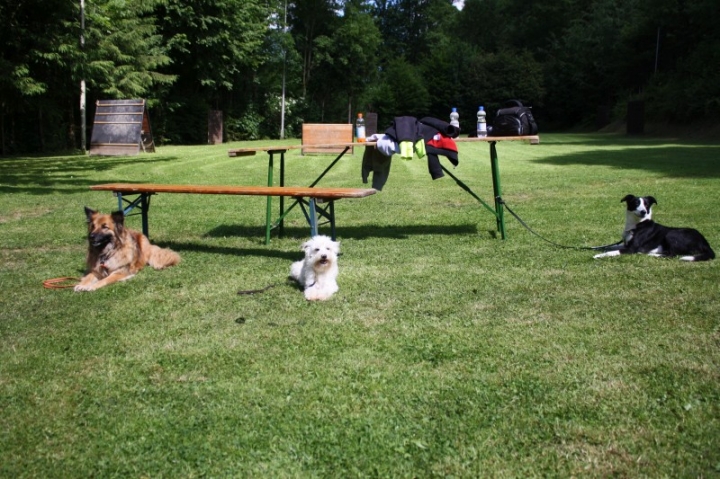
<point x="255" y="291"/>
<point x="262" y="290"/>
<point x="607" y="247"/>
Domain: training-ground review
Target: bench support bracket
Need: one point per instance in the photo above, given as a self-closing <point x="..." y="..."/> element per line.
<point x="142" y="202"/>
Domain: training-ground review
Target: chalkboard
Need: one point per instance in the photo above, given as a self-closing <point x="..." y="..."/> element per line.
<point x="121" y="127"/>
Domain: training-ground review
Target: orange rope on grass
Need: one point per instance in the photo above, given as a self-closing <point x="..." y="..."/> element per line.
<point x="61" y="283"/>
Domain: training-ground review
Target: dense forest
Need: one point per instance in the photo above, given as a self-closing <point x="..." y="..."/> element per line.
<point x="577" y="62"/>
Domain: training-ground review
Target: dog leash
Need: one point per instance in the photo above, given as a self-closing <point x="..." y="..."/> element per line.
<point x="61" y="283"/>
<point x="607" y="247"/>
<point x="262" y="290"/>
<point x="254" y="291"/>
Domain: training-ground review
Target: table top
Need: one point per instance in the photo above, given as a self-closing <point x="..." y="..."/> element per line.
<point x="533" y="139"/>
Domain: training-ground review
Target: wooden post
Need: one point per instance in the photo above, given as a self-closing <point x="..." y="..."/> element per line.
<point x="215" y="127"/>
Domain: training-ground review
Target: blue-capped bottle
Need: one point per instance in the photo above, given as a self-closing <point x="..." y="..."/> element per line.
<point x="481" y="123"/>
<point x="455" y="118"/>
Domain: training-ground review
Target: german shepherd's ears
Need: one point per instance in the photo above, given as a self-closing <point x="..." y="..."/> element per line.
<point x="119" y="219"/>
<point x="89" y="213"/>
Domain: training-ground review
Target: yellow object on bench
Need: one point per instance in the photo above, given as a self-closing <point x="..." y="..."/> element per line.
<point x="334" y="134"/>
<point x="300" y="193"/>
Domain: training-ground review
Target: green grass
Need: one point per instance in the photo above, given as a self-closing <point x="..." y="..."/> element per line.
<point x="446" y="353"/>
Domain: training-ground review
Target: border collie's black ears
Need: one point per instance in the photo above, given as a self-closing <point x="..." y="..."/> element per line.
<point x="651" y="201"/>
<point x="627" y="198"/>
<point x="89" y="213"/>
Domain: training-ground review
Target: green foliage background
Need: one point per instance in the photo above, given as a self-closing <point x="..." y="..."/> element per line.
<point x="570" y="59"/>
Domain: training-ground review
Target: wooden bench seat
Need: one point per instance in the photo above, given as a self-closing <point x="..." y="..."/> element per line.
<point x="292" y="191"/>
<point x="305" y="196"/>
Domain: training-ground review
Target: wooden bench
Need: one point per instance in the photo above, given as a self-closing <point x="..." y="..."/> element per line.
<point x="317" y="136"/>
<point x="307" y="197"/>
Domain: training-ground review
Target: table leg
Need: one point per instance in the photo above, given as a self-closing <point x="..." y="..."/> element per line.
<point x="322" y="175"/>
<point x="317" y="180"/>
<point x="268" y="211"/>
<point x="281" y="226"/>
<point x="497" y="190"/>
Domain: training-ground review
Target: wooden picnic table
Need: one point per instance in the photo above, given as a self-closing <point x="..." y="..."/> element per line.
<point x="497" y="209"/>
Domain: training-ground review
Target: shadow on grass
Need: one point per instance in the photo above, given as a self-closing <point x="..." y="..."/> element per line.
<point x="354" y="232"/>
<point x="614" y="139"/>
<point x="62" y="174"/>
<point x="364" y="232"/>
<point x="201" y="248"/>
<point x="681" y="161"/>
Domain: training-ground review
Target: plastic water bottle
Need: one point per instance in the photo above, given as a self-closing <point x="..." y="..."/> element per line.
<point x="455" y="118"/>
<point x="481" y="123"/>
<point x="360" y="128"/>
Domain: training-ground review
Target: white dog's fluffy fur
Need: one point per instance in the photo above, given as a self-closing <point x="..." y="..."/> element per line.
<point x="317" y="273"/>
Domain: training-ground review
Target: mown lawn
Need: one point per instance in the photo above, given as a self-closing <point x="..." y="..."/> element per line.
<point x="447" y="352"/>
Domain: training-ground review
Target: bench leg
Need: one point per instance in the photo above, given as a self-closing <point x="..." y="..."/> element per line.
<point x="332" y="219"/>
<point x="312" y="218"/>
<point x="142" y="202"/>
<point x="313" y="212"/>
<point x="314" y="183"/>
<point x="144" y="207"/>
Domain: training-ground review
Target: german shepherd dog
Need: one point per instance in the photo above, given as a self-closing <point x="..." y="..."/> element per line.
<point x="116" y="253"/>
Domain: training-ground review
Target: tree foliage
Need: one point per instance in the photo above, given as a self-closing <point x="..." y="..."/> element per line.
<point x="123" y="53"/>
<point x="324" y="60"/>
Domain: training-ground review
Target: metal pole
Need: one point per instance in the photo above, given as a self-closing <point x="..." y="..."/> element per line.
<point x="497" y="189"/>
<point x="83" y="122"/>
<point x="282" y="109"/>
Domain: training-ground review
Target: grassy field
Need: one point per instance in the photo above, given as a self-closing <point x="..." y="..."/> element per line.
<point x="447" y="352"/>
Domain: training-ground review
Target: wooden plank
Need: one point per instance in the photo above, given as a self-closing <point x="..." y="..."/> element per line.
<point x="283" y="149"/>
<point x="533" y="139"/>
<point x="120" y="102"/>
<point x="293" y="191"/>
<point x="316" y="135"/>
<point x="115" y="149"/>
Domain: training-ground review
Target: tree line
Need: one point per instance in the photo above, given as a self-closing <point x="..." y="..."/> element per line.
<point x="270" y="65"/>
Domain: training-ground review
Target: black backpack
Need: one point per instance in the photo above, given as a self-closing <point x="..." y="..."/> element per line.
<point x="516" y="120"/>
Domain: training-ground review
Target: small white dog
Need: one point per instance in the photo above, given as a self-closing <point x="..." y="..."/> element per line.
<point x="317" y="273"/>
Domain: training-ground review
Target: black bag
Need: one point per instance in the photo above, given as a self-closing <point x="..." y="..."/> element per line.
<point x="515" y="120"/>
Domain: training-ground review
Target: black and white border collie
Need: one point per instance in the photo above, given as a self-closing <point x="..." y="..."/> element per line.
<point x="643" y="235"/>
